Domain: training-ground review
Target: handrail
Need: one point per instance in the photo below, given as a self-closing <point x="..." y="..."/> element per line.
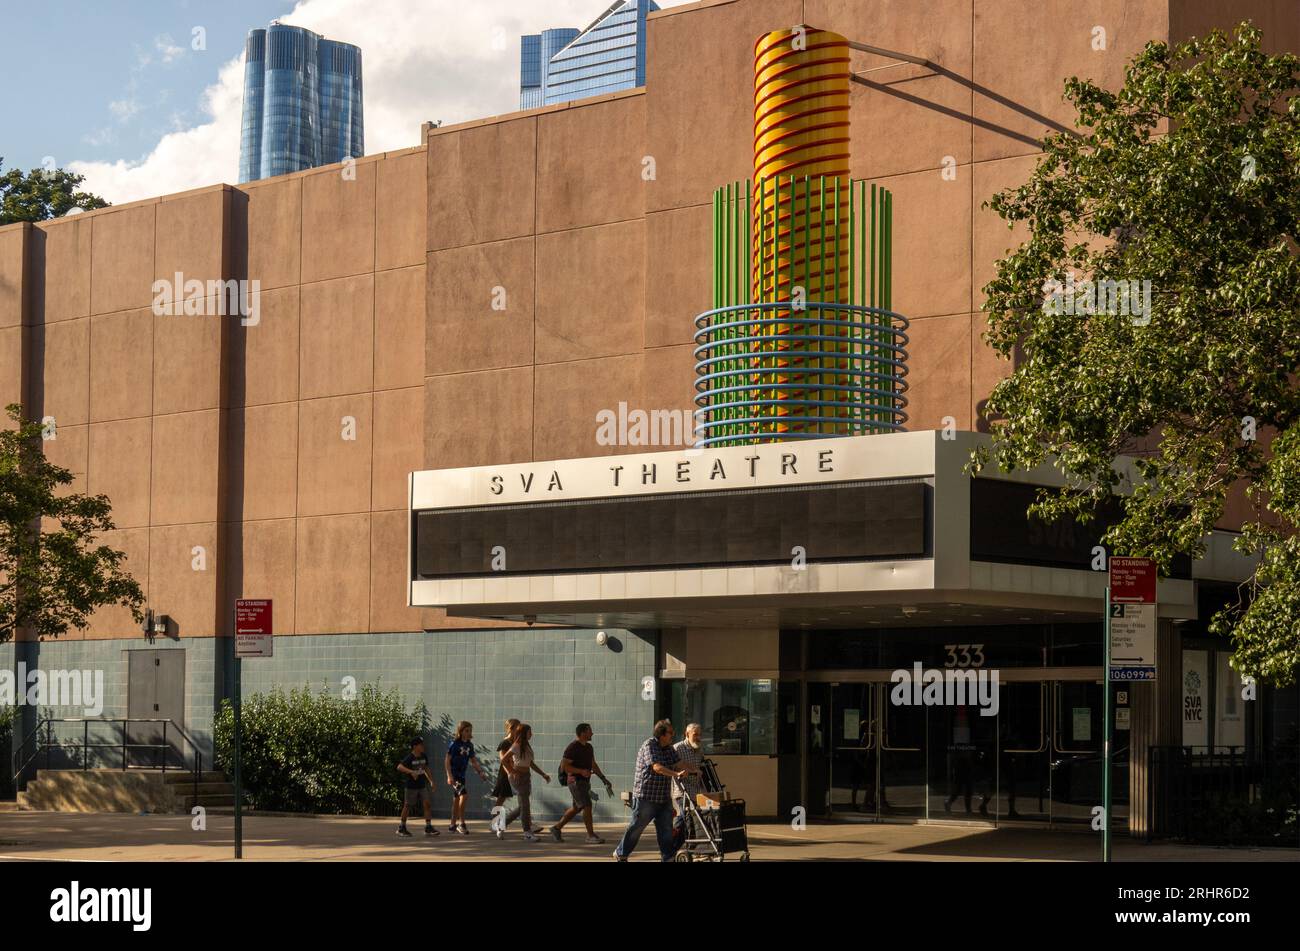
<point x="47" y="723"/>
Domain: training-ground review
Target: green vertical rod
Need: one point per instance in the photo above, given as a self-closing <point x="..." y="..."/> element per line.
<point x="744" y="272"/>
<point x="869" y="351"/>
<point x="821" y="289"/>
<point x="749" y="269"/>
<point x="839" y="395"/>
<point x="717" y="292"/>
<point x="731" y="253"/>
<point x="888" y="265"/>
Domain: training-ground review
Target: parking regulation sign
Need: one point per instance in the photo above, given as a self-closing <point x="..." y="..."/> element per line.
<point x="1132" y="615"/>
<point x="253" y="628"/>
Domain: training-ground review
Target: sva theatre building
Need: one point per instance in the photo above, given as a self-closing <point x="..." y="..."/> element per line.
<point x="440" y="449"/>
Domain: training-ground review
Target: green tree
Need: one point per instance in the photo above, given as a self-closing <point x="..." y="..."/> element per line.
<point x="52" y="574"/>
<point x="1187" y="177"/>
<point x="42" y="194"/>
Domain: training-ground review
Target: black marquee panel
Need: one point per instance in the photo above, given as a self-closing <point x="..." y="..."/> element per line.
<point x="1001" y="530"/>
<point x="851" y="521"/>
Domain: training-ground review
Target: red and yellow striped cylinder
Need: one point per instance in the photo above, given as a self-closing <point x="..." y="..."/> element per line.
<point x="801" y="152"/>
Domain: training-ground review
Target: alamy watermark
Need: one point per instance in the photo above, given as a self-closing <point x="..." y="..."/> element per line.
<point x="969" y="687"/>
<point x="213" y="298"/>
<point x="1124" y="298"/>
<point x="639" y="427"/>
<point x="53" y="688"/>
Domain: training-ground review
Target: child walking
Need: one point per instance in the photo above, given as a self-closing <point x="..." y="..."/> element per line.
<point x="460" y="755"/>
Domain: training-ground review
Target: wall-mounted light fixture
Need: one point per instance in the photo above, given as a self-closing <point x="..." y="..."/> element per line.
<point x="154" y="624"/>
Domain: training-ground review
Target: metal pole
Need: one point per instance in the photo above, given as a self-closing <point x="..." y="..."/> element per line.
<point x="239" y="817"/>
<point x="1105" y="737"/>
<point x="880" y="51"/>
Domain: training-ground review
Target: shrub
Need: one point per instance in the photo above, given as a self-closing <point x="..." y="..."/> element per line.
<point x="7" y="716"/>
<point x="312" y="752"/>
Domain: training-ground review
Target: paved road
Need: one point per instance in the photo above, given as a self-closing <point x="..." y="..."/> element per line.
<point x="31" y="836"/>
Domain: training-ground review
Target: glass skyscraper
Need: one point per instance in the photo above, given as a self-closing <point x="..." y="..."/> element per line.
<point x="302" y="102"/>
<point x="535" y="58"/>
<point x="609" y="55"/>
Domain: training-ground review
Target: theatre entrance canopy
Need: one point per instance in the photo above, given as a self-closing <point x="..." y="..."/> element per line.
<point x="887" y="529"/>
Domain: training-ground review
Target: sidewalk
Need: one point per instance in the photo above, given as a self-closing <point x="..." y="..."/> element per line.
<point x="36" y="836"/>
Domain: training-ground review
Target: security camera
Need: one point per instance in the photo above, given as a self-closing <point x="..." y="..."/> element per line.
<point x="601" y="638"/>
<point x="530" y="619"/>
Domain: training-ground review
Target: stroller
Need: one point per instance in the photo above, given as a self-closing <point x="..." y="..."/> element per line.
<point x="715" y="824"/>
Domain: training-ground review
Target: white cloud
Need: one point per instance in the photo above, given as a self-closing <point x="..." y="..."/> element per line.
<point x="422" y="60"/>
<point x="124" y="109"/>
<point x="168" y="49"/>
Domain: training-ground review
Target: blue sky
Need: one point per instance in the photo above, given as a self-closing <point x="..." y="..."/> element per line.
<point x="124" y="99"/>
<point x="120" y="75"/>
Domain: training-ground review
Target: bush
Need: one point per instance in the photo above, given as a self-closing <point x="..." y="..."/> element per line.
<point x="7" y="716"/>
<point x="311" y="752"/>
<point x="1271" y="818"/>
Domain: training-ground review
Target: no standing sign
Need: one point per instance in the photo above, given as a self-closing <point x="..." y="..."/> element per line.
<point x="253" y="628"/>
<point x="1132" y="613"/>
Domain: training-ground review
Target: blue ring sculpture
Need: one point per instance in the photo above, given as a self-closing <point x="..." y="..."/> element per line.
<point x="734" y="376"/>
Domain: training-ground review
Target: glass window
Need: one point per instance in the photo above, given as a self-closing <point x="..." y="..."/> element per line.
<point x="736" y="717"/>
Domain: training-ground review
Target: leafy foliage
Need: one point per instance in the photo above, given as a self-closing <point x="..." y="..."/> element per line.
<point x="7" y="717"/>
<point x="52" y="574"/>
<point x="42" y="194"/>
<point x="312" y="752"/>
<point x="1189" y="177"/>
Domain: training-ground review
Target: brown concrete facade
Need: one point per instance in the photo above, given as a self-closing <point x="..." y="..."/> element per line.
<point x="479" y="298"/>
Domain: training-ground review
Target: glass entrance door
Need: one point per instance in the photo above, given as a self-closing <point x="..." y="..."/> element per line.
<point x="902" y="759"/>
<point x="1024" y="759"/>
<point x="962" y="760"/>
<point x="854" y="749"/>
<point x="1076" y="750"/>
<point x="1037" y="760"/>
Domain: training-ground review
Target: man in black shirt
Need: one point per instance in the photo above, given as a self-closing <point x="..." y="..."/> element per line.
<point x="576" y="767"/>
<point x="418" y="787"/>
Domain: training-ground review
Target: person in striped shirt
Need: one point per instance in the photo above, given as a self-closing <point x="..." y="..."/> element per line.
<point x="690" y="754"/>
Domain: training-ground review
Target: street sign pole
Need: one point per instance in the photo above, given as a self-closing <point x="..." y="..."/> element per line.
<point x="239" y="793"/>
<point x="1105" y="739"/>
<point x="253" y="638"/>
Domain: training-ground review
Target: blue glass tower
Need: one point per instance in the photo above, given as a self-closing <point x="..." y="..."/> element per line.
<point x="608" y="56"/>
<point x="534" y="59"/>
<point x="302" y="102"/>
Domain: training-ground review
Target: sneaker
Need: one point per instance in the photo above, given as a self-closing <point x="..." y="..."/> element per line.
<point x="501" y="833"/>
<point x="401" y="830"/>
<point x="619" y="858"/>
<point x="555" y="834"/>
<point x="430" y="830"/>
<point x="452" y="828"/>
<point x="529" y="837"/>
<point x="595" y="840"/>
<point x="464" y="829"/>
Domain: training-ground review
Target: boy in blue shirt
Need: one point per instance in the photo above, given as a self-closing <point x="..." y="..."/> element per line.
<point x="460" y="755"/>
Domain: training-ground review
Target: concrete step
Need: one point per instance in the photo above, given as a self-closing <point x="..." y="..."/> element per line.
<point x="211" y="802"/>
<point x="179" y="777"/>
<point x="187" y="790"/>
<point x="109" y="790"/>
<point x="169" y="777"/>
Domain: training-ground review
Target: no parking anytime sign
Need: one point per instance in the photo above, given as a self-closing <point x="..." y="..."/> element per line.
<point x="1132" y="616"/>
<point x="253" y="628"/>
